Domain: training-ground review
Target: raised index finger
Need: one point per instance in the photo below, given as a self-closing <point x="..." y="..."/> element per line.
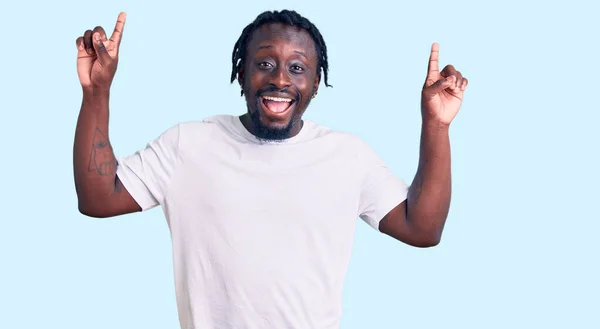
<point x="433" y="68"/>
<point x="118" y="32"/>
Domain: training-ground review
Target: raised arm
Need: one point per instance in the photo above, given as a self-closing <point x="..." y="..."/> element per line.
<point x="420" y="220"/>
<point x="99" y="191"/>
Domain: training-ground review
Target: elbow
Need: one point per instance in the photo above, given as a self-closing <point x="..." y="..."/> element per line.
<point x="87" y="210"/>
<point x="419" y="239"/>
<point x="428" y="241"/>
<point x="427" y="237"/>
<point x="427" y="232"/>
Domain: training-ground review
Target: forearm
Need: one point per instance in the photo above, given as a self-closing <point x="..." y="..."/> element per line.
<point x="429" y="194"/>
<point x="94" y="162"/>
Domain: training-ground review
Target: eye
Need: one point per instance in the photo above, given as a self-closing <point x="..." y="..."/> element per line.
<point x="297" y="68"/>
<point x="264" y="65"/>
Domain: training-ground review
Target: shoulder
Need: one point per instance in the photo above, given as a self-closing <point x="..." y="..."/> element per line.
<point x="348" y="145"/>
<point x="207" y="133"/>
<point x="202" y="126"/>
<point x="345" y="140"/>
<point x="319" y="131"/>
<point x="204" y="129"/>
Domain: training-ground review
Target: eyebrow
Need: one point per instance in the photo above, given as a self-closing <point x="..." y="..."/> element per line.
<point x="295" y="51"/>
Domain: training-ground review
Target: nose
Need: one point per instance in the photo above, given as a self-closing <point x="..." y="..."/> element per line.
<point x="280" y="78"/>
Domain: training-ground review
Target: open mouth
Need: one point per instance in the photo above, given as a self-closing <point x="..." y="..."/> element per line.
<point x="277" y="105"/>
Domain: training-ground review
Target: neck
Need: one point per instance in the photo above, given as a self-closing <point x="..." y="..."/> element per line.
<point x="256" y="128"/>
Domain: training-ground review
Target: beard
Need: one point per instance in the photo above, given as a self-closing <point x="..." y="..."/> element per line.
<point x="266" y="133"/>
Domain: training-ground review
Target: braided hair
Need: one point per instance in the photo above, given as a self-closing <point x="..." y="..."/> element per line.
<point x="287" y="17"/>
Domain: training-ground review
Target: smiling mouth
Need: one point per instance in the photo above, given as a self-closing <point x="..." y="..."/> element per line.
<point x="277" y="105"/>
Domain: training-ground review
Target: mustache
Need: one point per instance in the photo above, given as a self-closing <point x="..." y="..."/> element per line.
<point x="271" y="89"/>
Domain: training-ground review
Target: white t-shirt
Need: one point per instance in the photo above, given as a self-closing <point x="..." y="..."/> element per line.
<point x="262" y="232"/>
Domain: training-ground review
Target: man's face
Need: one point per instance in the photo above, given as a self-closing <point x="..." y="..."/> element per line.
<point x="279" y="78"/>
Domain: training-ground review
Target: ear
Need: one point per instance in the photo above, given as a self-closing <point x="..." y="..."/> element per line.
<point x="316" y="83"/>
<point x="241" y="76"/>
<point x="240" y="80"/>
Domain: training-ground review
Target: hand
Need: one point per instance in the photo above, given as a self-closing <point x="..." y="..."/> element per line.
<point x="443" y="91"/>
<point x="97" y="57"/>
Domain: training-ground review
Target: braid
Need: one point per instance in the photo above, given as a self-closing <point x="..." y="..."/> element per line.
<point x="287" y="17"/>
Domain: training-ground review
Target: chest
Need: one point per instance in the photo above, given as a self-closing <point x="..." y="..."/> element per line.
<point x="290" y="186"/>
<point x="251" y="206"/>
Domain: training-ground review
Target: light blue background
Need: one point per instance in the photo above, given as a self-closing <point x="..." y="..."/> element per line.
<point x="520" y="249"/>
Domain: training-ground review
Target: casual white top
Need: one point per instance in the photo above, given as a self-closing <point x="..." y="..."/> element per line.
<point x="262" y="232"/>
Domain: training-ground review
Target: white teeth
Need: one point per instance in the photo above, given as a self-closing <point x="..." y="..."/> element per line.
<point x="277" y="99"/>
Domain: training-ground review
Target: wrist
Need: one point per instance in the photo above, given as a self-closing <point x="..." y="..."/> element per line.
<point x="95" y="93"/>
<point x="434" y="125"/>
<point x="95" y="98"/>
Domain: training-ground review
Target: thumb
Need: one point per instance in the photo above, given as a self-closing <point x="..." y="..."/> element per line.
<point x="440" y="85"/>
<point x="103" y="55"/>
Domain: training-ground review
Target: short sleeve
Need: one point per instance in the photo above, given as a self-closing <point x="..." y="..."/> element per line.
<point x="381" y="190"/>
<point x="147" y="173"/>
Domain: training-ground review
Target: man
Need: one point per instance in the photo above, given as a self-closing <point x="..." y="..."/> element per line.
<point x="262" y="207"/>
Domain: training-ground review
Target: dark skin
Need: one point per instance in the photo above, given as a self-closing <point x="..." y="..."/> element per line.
<point x="419" y="221"/>
<point x="99" y="191"/>
<point x="281" y="62"/>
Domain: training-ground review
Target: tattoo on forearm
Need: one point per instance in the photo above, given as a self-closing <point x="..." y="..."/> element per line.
<point x="102" y="159"/>
<point x="118" y="185"/>
<point x="417" y="187"/>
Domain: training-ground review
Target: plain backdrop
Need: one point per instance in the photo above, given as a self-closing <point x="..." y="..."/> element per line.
<point x="520" y="249"/>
